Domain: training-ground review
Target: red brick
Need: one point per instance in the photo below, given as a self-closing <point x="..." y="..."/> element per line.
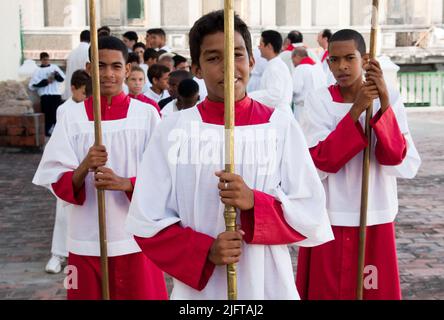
<point x="16" y="131"/>
<point x="24" y="141"/>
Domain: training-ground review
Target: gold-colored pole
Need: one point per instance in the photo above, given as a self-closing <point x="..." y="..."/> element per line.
<point x="98" y="141"/>
<point x="366" y="165"/>
<point x="230" y="212"/>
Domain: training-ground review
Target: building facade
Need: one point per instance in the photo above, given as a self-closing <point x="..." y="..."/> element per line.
<point x="54" y="25"/>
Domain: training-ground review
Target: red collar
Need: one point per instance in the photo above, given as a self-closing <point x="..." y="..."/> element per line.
<point x="325" y="56"/>
<point x="290" y="48"/>
<point x="336" y="94"/>
<point x="307" y="60"/>
<point x="247" y="112"/>
<point x="119" y="107"/>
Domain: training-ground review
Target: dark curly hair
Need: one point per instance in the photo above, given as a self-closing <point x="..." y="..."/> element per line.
<point x="212" y="23"/>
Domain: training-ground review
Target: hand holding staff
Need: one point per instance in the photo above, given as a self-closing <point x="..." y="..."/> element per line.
<point x="366" y="166"/>
<point x="98" y="142"/>
<point x="230" y="211"/>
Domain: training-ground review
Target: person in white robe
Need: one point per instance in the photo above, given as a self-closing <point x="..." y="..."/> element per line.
<point x="276" y="88"/>
<point x="308" y="76"/>
<point x="77" y="60"/>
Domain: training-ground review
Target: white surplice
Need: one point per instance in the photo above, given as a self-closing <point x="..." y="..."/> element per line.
<point x="177" y="183"/>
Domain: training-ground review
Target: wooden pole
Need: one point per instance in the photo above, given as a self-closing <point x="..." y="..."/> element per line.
<point x="98" y="141"/>
<point x="230" y="212"/>
<point x="366" y="165"/>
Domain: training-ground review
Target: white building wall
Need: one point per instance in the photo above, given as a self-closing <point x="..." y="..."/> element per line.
<point x="11" y="49"/>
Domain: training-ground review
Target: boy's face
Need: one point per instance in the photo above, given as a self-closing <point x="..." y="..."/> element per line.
<point x="140" y="51"/>
<point x="155" y="41"/>
<point x="129" y="43"/>
<point x="151" y="61"/>
<point x="135" y="82"/>
<point x="346" y="63"/>
<point x="162" y="82"/>
<point x="211" y="66"/>
<point x="112" y="70"/>
<point x="78" y="95"/>
<point x="183" y="66"/>
<point x="173" y="83"/>
<point x="44" y="61"/>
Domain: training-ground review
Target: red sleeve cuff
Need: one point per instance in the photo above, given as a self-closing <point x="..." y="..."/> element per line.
<point x="391" y="146"/>
<point x="130" y="194"/>
<point x="65" y="190"/>
<point x="266" y="224"/>
<point x="342" y="145"/>
<point x="182" y="253"/>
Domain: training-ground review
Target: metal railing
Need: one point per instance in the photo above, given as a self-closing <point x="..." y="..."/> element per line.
<point x="422" y="89"/>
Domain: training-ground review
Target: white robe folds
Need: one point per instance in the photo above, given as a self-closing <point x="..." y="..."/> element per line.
<point x="126" y="140"/>
<point x="177" y="183"/>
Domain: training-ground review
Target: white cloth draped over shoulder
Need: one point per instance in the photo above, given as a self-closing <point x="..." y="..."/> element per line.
<point x="125" y="140"/>
<point x="177" y="184"/>
<point x="343" y="189"/>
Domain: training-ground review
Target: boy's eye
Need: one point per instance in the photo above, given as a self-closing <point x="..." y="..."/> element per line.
<point x="210" y="59"/>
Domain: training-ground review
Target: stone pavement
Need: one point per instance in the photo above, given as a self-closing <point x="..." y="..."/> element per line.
<point x="27" y="218"/>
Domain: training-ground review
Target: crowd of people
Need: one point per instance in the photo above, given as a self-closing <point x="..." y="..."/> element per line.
<point x="295" y="183"/>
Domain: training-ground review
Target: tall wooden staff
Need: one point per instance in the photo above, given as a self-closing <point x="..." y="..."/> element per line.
<point x="366" y="165"/>
<point x="230" y="211"/>
<point x="98" y="141"/>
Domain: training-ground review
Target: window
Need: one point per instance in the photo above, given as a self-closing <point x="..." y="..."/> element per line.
<point x="135" y="10"/>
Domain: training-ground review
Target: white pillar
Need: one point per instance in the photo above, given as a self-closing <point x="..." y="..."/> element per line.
<point x="154" y="13"/>
<point x="306" y="13"/>
<point x="33" y="15"/>
<point x="268" y="13"/>
<point x="10" y="58"/>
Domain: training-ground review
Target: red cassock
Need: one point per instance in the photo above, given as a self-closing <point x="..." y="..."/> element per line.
<point x="329" y="271"/>
<point x="132" y="276"/>
<point x="177" y="250"/>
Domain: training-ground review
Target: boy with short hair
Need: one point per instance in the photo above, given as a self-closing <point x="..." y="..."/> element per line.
<point x="136" y="82"/>
<point x="174" y="79"/>
<point x="276" y="88"/>
<point x="177" y="210"/>
<point x="46" y="81"/>
<point x="187" y="97"/>
<point x="333" y="125"/>
<point x="130" y="38"/>
<point x="158" y="77"/>
<point x="73" y="170"/>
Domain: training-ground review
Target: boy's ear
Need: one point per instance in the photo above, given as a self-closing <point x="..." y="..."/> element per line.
<point x="197" y="71"/>
<point x="365" y="59"/>
<point x="127" y="70"/>
<point x="251" y="63"/>
<point x="88" y="68"/>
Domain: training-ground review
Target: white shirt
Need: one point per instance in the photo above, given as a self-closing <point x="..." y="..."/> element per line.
<point x="258" y="71"/>
<point x="77" y="59"/>
<point x="330" y="78"/>
<point x="68" y="146"/>
<point x="156" y="97"/>
<point x="169" y="109"/>
<point x="276" y="89"/>
<point x="343" y="188"/>
<point x="42" y="74"/>
<point x="306" y="78"/>
<point x="184" y="154"/>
